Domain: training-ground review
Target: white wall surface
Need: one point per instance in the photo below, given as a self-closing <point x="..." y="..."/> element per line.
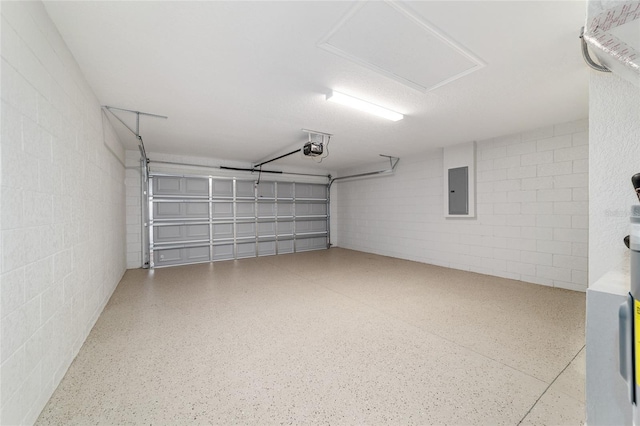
<point x="532" y="206"/>
<point x="63" y="213"/>
<point x="614" y="155"/>
<point x="134" y="211"/>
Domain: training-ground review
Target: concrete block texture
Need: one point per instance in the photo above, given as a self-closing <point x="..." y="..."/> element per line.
<point x="532" y="194"/>
<point x="63" y="211"/>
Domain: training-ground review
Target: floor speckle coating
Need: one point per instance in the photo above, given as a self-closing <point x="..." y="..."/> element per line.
<point x="327" y="337"/>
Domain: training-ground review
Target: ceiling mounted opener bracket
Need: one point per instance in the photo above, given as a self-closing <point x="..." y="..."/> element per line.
<point x="315" y="132"/>
<point x="317" y="146"/>
<point x="324" y="139"/>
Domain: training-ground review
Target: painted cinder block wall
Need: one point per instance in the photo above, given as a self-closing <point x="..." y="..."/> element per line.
<point x="134" y="215"/>
<point x="614" y="128"/>
<point x="63" y="211"/>
<point x="615" y="157"/>
<point x="532" y="210"/>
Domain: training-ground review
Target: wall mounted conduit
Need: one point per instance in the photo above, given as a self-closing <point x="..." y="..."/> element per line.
<point x="587" y="56"/>
<point x="612" y="34"/>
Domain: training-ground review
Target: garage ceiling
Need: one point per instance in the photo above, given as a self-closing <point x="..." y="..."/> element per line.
<point x="239" y="80"/>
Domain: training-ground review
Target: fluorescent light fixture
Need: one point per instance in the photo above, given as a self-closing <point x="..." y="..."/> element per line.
<point x="365" y="106"/>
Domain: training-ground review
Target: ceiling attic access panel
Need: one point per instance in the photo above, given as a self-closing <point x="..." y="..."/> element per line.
<point x="395" y="41"/>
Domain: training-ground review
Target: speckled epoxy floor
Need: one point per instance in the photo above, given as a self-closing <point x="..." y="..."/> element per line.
<point x="327" y="337"/>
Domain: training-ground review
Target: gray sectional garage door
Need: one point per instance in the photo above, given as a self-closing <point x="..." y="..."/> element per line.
<point x="195" y="219"/>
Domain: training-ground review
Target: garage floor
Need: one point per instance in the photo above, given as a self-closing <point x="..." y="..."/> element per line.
<point x="333" y="336"/>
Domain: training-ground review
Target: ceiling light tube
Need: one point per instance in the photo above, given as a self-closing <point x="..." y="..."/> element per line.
<point x="365" y="106"/>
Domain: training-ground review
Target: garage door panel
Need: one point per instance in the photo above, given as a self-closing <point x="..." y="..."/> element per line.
<point x="167" y="185"/>
<point x="196" y="186"/>
<point x="197" y="254"/>
<point x="223" y="252"/>
<point x="172" y="233"/>
<point x="285" y="209"/>
<point x="310" y="209"/>
<point x="219" y="210"/>
<point x="308" y="226"/>
<point x="177" y="256"/>
<point x="285" y="228"/>
<point x="319" y="209"/>
<point x="222" y="188"/>
<point x="197" y="209"/>
<point x="166" y="210"/>
<point x="266" y="229"/>
<point x="246" y="250"/>
<point x="285" y="246"/>
<point x="306" y="244"/>
<point x="266" y="210"/>
<point x="266" y="248"/>
<point x="168" y="256"/>
<point x="167" y="233"/>
<point x="245" y="188"/>
<point x="267" y="190"/>
<point x="178" y="210"/>
<point x="309" y="190"/>
<point x="245" y="210"/>
<point x="176" y="186"/>
<point x="198" y="232"/>
<point x="222" y="231"/>
<point x="244" y="230"/>
<point x="202" y="219"/>
<point x="285" y="190"/>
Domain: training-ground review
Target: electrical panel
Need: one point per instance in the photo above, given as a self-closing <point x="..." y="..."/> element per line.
<point x="459" y="191"/>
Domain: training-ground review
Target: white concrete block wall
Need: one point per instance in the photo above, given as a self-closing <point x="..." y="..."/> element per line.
<point x="133" y="210"/>
<point x="532" y="210"/>
<point x="63" y="211"/>
<point x="615" y="157"/>
<point x="614" y="109"/>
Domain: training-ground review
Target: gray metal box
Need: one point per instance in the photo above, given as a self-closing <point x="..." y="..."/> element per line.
<point x="459" y="190"/>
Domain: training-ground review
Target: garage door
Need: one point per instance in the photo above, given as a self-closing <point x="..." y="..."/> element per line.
<point x="194" y="219"/>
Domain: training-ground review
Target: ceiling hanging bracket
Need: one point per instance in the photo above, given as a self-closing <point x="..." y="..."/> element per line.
<point x="315" y="132"/>
<point x="135" y="132"/>
<point x="393" y="162"/>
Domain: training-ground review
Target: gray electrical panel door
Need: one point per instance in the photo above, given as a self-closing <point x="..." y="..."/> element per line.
<point x="194" y="219"/>
<point x="459" y="190"/>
